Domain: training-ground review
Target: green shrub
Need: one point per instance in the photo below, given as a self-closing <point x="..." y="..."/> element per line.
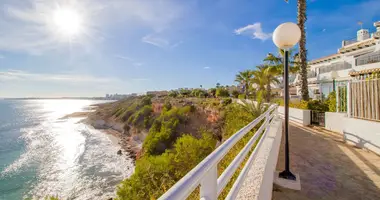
<point x="317" y="105"/>
<point x="154" y="175"/>
<point x="235" y="93"/>
<point x="167" y="105"/>
<point x="185" y="92"/>
<point x="226" y="101"/>
<point x="212" y="92"/>
<point x="221" y="92"/>
<point x="173" y="93"/>
<point x="146" y="100"/>
<point x="138" y="118"/>
<point x="331" y="100"/>
<point x="242" y="96"/>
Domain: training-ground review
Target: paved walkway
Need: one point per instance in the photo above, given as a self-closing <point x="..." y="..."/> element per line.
<point x="329" y="169"/>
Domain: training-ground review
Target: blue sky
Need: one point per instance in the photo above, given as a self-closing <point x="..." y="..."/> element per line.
<point x="130" y="46"/>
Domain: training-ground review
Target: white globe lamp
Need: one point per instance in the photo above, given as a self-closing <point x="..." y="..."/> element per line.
<point x="286" y="35"/>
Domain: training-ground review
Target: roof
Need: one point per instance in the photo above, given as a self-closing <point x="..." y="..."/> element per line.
<point x="365" y="71"/>
<point x="358" y="45"/>
<point x="326" y="58"/>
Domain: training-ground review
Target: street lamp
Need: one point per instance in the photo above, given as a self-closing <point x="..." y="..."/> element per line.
<point x="334" y="75"/>
<point x="285" y="37"/>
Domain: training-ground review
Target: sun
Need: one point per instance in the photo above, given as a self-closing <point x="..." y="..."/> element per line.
<point x="68" y="22"/>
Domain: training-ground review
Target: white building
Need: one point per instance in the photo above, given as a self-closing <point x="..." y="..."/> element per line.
<point x="356" y="58"/>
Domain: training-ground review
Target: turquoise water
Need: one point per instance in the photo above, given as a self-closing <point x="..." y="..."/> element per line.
<point x="42" y="154"/>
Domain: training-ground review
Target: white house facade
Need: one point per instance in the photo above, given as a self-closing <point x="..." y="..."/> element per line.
<point x="355" y="59"/>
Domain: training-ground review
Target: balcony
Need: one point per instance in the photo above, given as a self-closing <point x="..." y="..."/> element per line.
<point x="368" y="59"/>
<point x="335" y="67"/>
<point x="311" y="74"/>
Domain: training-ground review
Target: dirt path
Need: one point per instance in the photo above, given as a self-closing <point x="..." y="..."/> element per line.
<point x="329" y="168"/>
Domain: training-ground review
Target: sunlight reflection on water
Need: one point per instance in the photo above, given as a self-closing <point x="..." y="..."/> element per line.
<point x="69" y="158"/>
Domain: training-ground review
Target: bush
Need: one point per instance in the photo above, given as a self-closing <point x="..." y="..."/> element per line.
<point x="154" y="175"/>
<point x="167" y="105"/>
<point x="139" y="117"/>
<point x="146" y="100"/>
<point x="317" y="105"/>
<point x="185" y="92"/>
<point x="173" y="93"/>
<point x="212" y="92"/>
<point x="235" y="93"/>
<point x="242" y="96"/>
<point x="331" y="101"/>
<point x="226" y="101"/>
<point x="221" y="92"/>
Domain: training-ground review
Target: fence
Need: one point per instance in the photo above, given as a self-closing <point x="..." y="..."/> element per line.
<point x="342" y="97"/>
<point x="365" y="99"/>
<point x="205" y="173"/>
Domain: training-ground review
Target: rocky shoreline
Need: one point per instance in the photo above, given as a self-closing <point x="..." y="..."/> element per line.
<point x="130" y="145"/>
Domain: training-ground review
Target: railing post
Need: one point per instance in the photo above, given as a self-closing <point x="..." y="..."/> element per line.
<point x="337" y="100"/>
<point x="209" y="184"/>
<point x="349" y="99"/>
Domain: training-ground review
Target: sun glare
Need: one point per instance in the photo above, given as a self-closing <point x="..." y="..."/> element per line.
<point x="68" y="22"/>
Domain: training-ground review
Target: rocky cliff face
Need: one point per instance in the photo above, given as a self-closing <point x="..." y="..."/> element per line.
<point x="131" y="119"/>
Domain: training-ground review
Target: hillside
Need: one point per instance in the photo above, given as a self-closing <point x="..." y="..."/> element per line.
<point x="136" y="119"/>
<point x="169" y="136"/>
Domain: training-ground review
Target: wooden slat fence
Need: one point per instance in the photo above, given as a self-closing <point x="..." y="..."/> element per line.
<point x="365" y="99"/>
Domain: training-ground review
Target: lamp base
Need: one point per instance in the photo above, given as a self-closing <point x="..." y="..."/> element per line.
<point x="293" y="184"/>
<point x="287" y="175"/>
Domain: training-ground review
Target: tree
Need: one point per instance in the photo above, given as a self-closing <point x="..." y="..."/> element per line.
<point x="301" y="19"/>
<point x="277" y="61"/>
<point x="217" y="85"/>
<point x="244" y="78"/>
<point x="200" y="86"/>
<point x="269" y="76"/>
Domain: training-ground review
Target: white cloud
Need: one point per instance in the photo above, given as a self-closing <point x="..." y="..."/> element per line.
<point x="156" y="41"/>
<point x="17" y="75"/>
<point x="123" y="57"/>
<point x="255" y="30"/>
<point x="207" y="67"/>
<point x="159" y="41"/>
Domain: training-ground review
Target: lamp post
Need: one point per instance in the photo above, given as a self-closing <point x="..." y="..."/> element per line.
<point x="334" y="75"/>
<point x="285" y="37"/>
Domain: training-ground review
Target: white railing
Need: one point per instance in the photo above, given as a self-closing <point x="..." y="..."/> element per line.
<point x="205" y="173"/>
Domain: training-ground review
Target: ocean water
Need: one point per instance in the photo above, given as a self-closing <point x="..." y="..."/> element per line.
<point x="42" y="154"/>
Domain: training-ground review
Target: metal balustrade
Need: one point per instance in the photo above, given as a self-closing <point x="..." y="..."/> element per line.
<point x="335" y="67"/>
<point x="205" y="174"/>
<point x="368" y="59"/>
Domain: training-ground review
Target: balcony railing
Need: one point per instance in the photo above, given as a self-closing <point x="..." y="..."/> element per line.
<point x="311" y="74"/>
<point x="335" y="67"/>
<point x="205" y="174"/>
<point x="363" y="60"/>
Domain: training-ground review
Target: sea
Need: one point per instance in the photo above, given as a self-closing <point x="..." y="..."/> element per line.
<point x="44" y="154"/>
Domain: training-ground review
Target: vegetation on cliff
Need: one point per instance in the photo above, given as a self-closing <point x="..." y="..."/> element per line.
<point x="179" y="133"/>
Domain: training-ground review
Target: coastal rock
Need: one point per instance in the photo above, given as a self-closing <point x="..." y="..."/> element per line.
<point x="119" y="152"/>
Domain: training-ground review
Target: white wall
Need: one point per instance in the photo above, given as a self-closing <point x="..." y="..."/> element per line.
<point x="362" y="133"/>
<point x="296" y="115"/>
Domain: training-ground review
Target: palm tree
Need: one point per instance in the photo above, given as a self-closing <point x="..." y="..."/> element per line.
<point x="217" y="85"/>
<point x="244" y="78"/>
<point x="264" y="77"/>
<point x="278" y="61"/>
<point x="301" y="20"/>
